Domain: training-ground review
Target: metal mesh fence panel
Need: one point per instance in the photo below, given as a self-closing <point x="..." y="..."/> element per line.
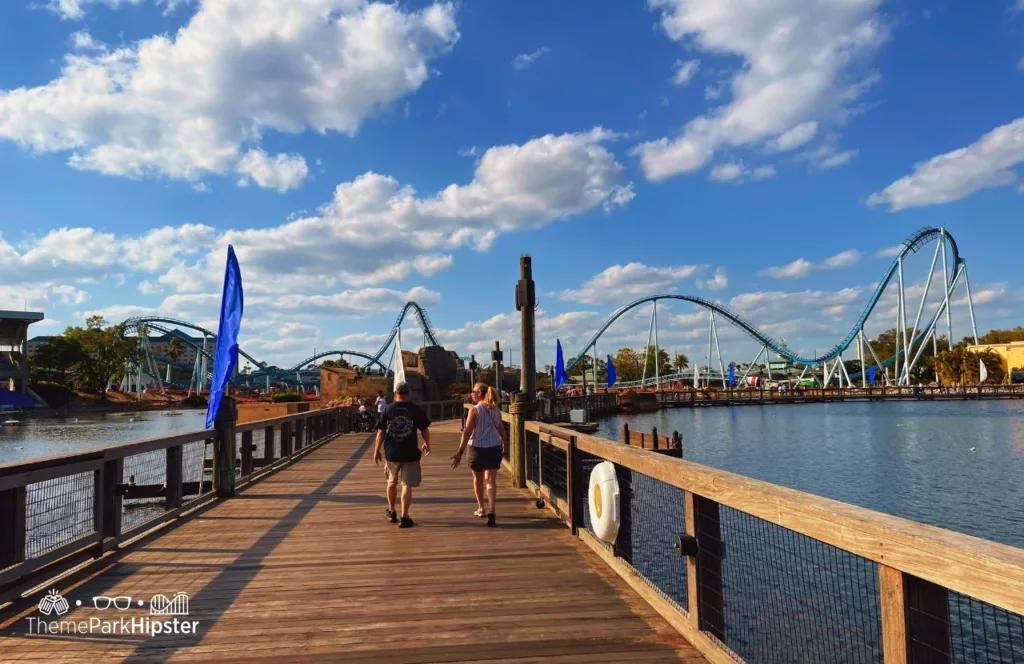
<point x="532" y="460"/>
<point x="193" y="470"/>
<point x="143" y="470"/>
<point x="981" y="633"/>
<point x="58" y="511"/>
<point x="553" y="469"/>
<point x="788" y="598"/>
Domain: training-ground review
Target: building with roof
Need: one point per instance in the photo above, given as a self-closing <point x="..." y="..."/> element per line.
<point x="14" y="392"/>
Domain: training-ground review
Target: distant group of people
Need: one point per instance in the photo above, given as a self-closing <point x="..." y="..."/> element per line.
<point x="482" y="444"/>
<point x="368" y="417"/>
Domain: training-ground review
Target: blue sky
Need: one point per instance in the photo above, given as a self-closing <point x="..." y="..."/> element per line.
<point x="360" y="154"/>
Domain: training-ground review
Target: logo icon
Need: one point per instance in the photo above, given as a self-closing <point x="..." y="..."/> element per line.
<point x="159" y="605"/>
<point x="53" y="603"/>
<point x="122" y="603"/>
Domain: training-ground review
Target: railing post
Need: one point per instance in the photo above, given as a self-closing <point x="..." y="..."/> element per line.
<point x="692" y="582"/>
<point x="286" y="439"/>
<point x="709" y="567"/>
<point x="107" y="512"/>
<point x="623" y="547"/>
<point x="517" y="439"/>
<point x="175" y="476"/>
<point x="894" y="615"/>
<point x="246" y="452"/>
<point x="224" y="448"/>
<point x="625" y="434"/>
<point x="574" y="487"/>
<point x="296" y="443"/>
<point x="268" y="445"/>
<point x="12" y="526"/>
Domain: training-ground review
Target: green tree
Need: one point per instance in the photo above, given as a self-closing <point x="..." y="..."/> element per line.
<point x="628" y="365"/>
<point x="1002" y="336"/>
<point x="175" y="349"/>
<point x="104" y="353"/>
<point x="664" y="365"/>
<point x="680" y="362"/>
<point x="54" y="360"/>
<point x="959" y="365"/>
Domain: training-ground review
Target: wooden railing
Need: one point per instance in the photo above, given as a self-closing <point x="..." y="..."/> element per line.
<point x="806" y="578"/>
<point x="59" y="512"/>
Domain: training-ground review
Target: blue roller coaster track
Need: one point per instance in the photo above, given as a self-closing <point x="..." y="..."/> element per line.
<point x="911" y="245"/>
<point x="165" y="325"/>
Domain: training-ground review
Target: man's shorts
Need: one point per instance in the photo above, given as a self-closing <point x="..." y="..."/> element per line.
<point x="406" y="472"/>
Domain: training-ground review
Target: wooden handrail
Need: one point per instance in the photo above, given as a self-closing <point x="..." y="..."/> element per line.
<point x="985" y="570"/>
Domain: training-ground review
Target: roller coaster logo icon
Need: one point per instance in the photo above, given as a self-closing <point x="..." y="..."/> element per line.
<point x="159" y="605"/>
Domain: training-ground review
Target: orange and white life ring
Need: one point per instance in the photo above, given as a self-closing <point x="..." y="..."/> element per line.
<point x="604" y="502"/>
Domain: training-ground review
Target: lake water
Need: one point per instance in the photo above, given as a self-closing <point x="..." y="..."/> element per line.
<point x="35" y="437"/>
<point x="958" y="465"/>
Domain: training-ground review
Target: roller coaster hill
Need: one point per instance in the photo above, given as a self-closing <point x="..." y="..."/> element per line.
<point x="191" y="368"/>
<point x="828" y="368"/>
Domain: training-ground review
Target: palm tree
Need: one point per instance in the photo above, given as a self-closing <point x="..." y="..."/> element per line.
<point x="175" y="349"/>
<point x="681" y="362"/>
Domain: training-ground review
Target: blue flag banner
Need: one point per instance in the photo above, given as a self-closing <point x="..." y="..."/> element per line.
<point x="561" y="378"/>
<point x="226" y="354"/>
<point x="871" y="375"/>
<point x="611" y="372"/>
<point x="732" y="375"/>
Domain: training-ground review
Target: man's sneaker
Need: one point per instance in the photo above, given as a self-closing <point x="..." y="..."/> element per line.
<point x="490" y="520"/>
<point x="406" y="522"/>
<point x="391" y="516"/>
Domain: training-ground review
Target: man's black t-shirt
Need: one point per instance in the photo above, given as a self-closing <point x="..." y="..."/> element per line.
<point x="399" y="423"/>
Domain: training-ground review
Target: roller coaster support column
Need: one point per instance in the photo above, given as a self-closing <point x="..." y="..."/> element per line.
<point x="860" y="358"/>
<point x="657" y="356"/>
<point x="224" y="448"/>
<point x="524" y="401"/>
<point x="949" y="288"/>
<point x="970" y="305"/>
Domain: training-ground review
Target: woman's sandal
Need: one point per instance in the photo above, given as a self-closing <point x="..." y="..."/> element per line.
<point x="480" y="512"/>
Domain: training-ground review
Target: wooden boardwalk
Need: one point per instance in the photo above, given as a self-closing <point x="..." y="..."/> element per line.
<point x="303" y="567"/>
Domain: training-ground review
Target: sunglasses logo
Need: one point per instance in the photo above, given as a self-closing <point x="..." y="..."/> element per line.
<point x="103" y="603"/>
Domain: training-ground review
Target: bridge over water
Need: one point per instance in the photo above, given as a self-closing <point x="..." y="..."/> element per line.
<point x="300" y="563"/>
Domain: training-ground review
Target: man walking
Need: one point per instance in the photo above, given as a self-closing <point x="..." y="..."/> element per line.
<point x="396" y="432"/>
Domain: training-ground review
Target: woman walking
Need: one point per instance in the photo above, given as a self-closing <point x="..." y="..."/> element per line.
<point x="485" y="436"/>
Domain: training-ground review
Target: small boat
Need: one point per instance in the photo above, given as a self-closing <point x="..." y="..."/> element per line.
<point x="11" y="423"/>
<point x="581" y="427"/>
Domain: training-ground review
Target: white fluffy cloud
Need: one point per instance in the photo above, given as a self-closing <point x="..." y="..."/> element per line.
<point x="799" y="72"/>
<point x="376" y="230"/>
<point x="526" y="60"/>
<point x="185" y="105"/>
<point x="719" y="281"/>
<point x="75" y="9"/>
<point x="737" y="172"/>
<point x="619" y="283"/>
<point x="986" y="163"/>
<point x="281" y="172"/>
<point x="685" y="71"/>
<point x="802" y="267"/>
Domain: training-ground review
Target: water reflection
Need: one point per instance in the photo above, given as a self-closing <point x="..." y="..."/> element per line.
<point x="34" y="437"/>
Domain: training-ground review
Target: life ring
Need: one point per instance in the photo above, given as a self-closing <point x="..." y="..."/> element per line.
<point x="604" y="502"/>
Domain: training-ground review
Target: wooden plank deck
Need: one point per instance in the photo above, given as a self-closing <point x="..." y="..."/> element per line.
<point x="304" y="567"/>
